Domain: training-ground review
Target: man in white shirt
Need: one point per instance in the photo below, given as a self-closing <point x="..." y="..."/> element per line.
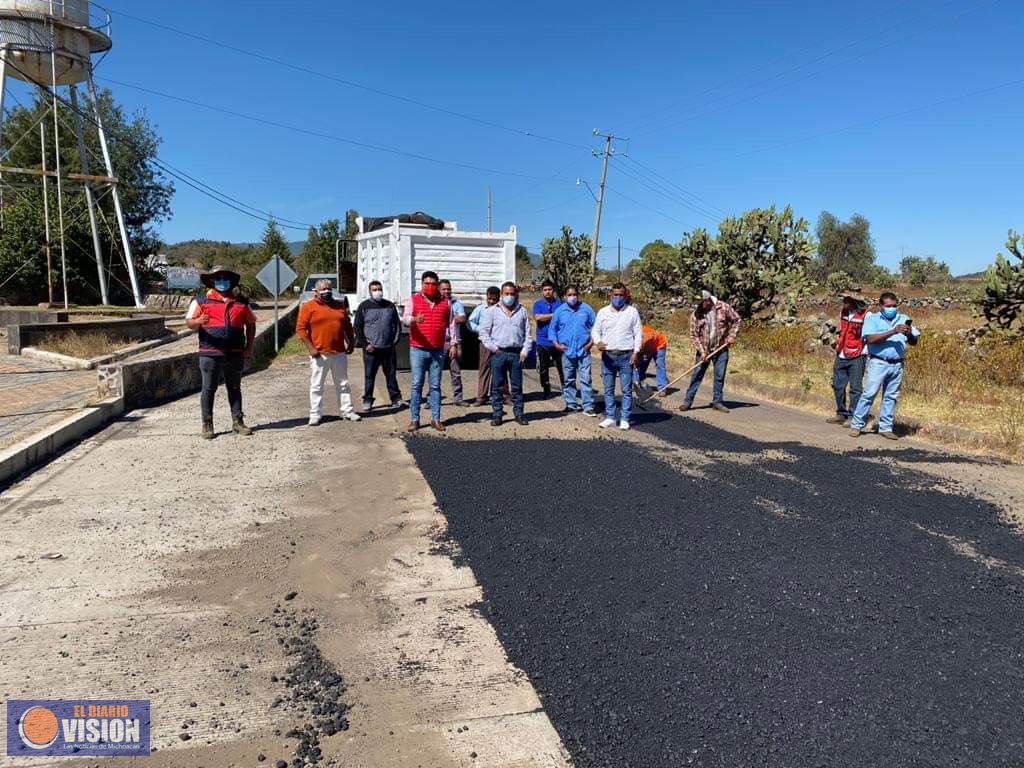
<point x="618" y="335"/>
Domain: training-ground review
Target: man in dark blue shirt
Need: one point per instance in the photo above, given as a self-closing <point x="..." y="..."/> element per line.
<point x="547" y="353"/>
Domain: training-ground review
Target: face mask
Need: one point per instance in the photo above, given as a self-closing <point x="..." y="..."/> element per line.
<point x="430" y="291"/>
<point x="618" y="301"/>
<point x="325" y="295"/>
<point x="572" y="301"/>
<point x="889" y="313"/>
<point x="222" y="285"/>
<point x="376" y="295"/>
<point x="508" y="301"/>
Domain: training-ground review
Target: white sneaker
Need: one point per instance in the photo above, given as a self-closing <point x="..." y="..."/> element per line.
<point x="351" y="416"/>
<point x="623" y="425"/>
<point x="609" y="422"/>
<point x="314" y="421"/>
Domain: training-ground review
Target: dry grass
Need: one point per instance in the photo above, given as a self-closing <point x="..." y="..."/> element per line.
<point x="946" y="382"/>
<point x="81" y="345"/>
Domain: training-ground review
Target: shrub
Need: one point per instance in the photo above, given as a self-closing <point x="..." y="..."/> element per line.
<point x="837" y="282"/>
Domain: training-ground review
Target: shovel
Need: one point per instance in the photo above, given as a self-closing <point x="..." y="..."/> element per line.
<point x="687" y="372"/>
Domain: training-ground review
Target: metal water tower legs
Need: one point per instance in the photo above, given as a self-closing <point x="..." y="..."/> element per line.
<point x="136" y="293"/>
<point x="89" y="200"/>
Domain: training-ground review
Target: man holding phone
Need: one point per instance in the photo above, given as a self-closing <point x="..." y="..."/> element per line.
<point x="887" y="334"/>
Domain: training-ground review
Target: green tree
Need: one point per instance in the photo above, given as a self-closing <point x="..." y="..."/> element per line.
<point x="273" y="244"/>
<point x="318" y="252"/>
<point x="755" y="258"/>
<point x="844" y="246"/>
<point x="566" y="260"/>
<point x="524" y="264"/>
<point x="837" y="282"/>
<point x="658" y="269"/>
<point x="1003" y="301"/>
<point x="145" y="196"/>
<point x="920" y="270"/>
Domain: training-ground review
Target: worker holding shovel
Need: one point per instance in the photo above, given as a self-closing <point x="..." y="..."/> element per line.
<point x="714" y="326"/>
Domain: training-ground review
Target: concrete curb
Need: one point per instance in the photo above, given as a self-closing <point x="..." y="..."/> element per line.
<point x="78" y="363"/>
<point x="44" y="445"/>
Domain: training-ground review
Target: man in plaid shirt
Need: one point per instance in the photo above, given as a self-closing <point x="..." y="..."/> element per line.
<point x="712" y="325"/>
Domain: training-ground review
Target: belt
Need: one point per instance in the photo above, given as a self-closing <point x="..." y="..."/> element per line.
<point x="885" y="359"/>
<point x="510" y="349"/>
<point x="617" y="352"/>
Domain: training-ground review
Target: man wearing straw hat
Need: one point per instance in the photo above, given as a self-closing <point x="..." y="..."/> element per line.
<point x="714" y="326"/>
<point x="227" y="329"/>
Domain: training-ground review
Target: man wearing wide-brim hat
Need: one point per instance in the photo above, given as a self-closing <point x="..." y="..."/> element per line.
<point x="848" y="366"/>
<point x="227" y="329"/>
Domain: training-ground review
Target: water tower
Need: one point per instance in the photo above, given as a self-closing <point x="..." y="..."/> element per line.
<point x="49" y="44"/>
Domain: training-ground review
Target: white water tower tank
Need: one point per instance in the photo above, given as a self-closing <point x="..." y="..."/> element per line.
<point x="72" y="29"/>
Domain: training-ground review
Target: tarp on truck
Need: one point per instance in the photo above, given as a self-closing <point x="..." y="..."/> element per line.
<point x="423" y="219"/>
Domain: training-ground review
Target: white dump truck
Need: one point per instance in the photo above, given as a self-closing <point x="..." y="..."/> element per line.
<point x="398" y="250"/>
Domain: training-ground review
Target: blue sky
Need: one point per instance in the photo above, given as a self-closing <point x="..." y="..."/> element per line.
<point x="704" y="91"/>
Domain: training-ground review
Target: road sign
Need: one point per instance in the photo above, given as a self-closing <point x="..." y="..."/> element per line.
<point x="276" y="276"/>
<point x="274" y="281"/>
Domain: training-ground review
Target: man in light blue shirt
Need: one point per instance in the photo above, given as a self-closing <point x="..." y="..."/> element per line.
<point x="505" y="331"/>
<point x="453" y="345"/>
<point x="887" y="334"/>
<point x="570" y="333"/>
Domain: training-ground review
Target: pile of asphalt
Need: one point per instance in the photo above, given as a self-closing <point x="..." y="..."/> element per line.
<point x="315" y="691"/>
<point x="815" y="610"/>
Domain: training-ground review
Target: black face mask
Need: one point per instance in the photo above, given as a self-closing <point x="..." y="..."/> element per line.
<point x="325" y="295"/>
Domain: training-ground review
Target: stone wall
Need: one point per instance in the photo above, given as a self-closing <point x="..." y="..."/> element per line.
<point x="130" y="329"/>
<point x="31" y="316"/>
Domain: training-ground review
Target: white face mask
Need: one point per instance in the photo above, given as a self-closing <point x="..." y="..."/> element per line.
<point x="376" y="295"/>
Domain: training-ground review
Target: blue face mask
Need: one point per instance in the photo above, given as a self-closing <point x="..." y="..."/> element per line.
<point x="572" y="301"/>
<point x="508" y="301"/>
<point x="222" y="285"/>
<point x="889" y="313"/>
<point x="618" y="301"/>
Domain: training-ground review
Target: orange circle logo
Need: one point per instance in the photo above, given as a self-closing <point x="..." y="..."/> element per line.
<point x="38" y="727"/>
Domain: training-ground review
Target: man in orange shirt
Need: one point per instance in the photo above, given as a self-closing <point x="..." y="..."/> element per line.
<point x="653" y="347"/>
<point x="326" y="330"/>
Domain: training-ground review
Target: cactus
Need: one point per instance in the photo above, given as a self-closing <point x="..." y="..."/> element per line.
<point x="1003" y="301"/>
<point x="837" y="282"/>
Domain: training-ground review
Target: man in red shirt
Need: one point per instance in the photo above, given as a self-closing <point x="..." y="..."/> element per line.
<point x="848" y="368"/>
<point x="326" y="330"/>
<point x="227" y="329"/>
<point x="428" y="316"/>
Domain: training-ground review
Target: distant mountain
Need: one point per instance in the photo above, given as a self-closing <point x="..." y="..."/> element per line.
<point x="971" y="276"/>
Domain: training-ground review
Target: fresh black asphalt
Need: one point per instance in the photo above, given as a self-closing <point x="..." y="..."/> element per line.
<point x="772" y="613"/>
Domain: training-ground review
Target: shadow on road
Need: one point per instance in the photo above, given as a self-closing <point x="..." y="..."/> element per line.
<point x="781" y="605"/>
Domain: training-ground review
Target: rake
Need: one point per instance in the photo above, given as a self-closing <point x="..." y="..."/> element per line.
<point x="643" y="404"/>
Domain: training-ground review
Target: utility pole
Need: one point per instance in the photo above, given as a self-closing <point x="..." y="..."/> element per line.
<point x="608" y="152"/>
<point x="490" y="227"/>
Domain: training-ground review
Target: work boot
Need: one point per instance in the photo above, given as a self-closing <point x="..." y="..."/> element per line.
<point x="521" y="421"/>
<point x="496" y="422"/>
<point x="837" y="419"/>
<point x="685" y="406"/>
<point x="207" y="433"/>
<point x="890" y="435"/>
<point x="719" y="407"/>
<point x="238" y="426"/>
<point x="854" y="432"/>
<point x="438" y="426"/>
<point x="413" y="426"/>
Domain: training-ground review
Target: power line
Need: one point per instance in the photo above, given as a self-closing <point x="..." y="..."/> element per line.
<point x="697" y="198"/>
<point x="660" y="189"/>
<point x="342" y="81"/>
<point x="859" y="124"/>
<point x="647" y="207"/>
<point x="730" y="105"/>
<point x="647" y="119"/>
<point x="328" y="136"/>
<point x="185" y="178"/>
<point x="552" y="177"/>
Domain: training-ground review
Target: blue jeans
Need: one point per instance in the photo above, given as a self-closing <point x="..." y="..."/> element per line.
<point x="884" y="376"/>
<point x="503" y="363"/>
<point x="660" y="373"/>
<point x="576" y="371"/>
<point x="848" y="372"/>
<point x="721" y="362"/>
<point x="613" y="366"/>
<point x="422" y="361"/>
